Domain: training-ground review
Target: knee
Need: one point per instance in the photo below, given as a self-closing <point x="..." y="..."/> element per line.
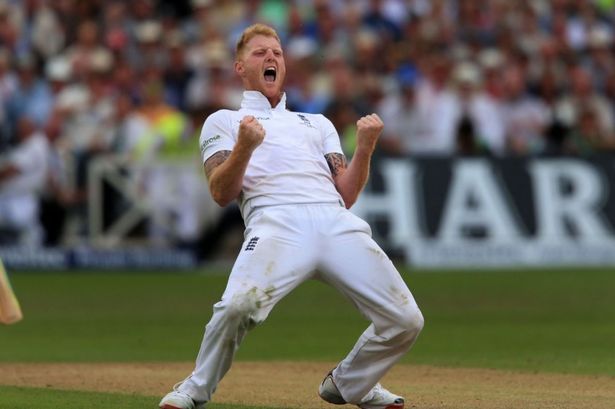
<point x="242" y="307"/>
<point x="410" y="322"/>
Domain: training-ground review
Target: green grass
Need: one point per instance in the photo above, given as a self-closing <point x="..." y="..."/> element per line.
<point x="541" y="320"/>
<point x="530" y="320"/>
<point x="40" y="398"/>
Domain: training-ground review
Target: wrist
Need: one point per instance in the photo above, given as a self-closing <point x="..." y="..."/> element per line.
<point x="365" y="148"/>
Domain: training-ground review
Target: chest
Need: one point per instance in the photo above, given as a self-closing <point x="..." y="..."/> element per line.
<point x="288" y="133"/>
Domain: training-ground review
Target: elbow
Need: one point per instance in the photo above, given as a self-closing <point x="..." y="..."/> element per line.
<point x="222" y="202"/>
<point x="221" y="199"/>
<point x="348" y="196"/>
<point x="220" y="196"/>
<point x="349" y="200"/>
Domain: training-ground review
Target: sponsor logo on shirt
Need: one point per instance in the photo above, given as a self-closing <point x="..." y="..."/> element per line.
<point x="258" y="118"/>
<point x="209" y="141"/>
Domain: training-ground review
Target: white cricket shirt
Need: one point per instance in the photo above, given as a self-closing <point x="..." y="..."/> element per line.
<point x="289" y="167"/>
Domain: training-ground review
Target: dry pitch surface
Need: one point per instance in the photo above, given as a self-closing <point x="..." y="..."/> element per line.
<point x="294" y="385"/>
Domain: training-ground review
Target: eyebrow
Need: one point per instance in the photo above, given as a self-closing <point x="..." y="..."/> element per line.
<point x="264" y="48"/>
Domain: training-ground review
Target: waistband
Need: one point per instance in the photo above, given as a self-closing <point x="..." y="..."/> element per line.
<point x="249" y="208"/>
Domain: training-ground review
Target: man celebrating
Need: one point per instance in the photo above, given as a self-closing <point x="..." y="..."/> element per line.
<point x="289" y="174"/>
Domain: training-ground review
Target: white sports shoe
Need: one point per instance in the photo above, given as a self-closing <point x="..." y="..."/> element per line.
<point x="177" y="400"/>
<point x="377" y="398"/>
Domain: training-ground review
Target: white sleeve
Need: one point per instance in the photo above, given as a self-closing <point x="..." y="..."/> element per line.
<point x="216" y="135"/>
<point x="32" y="155"/>
<point x="331" y="140"/>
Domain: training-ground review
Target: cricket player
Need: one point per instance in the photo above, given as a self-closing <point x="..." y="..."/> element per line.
<point x="293" y="185"/>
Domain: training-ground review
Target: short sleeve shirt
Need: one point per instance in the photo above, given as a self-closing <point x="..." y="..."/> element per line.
<point x="289" y="167"/>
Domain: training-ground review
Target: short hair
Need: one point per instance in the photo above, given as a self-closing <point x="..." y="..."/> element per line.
<point x="253" y="31"/>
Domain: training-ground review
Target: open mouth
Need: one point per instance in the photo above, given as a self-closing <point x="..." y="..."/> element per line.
<point x="270" y="74"/>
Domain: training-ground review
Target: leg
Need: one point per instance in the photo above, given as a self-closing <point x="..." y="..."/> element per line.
<point x="357" y="267"/>
<point x="266" y="270"/>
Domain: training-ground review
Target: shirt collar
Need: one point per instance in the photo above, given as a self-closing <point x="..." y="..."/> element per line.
<point x="256" y="100"/>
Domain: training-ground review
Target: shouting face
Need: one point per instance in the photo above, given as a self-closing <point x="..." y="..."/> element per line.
<point x="261" y="67"/>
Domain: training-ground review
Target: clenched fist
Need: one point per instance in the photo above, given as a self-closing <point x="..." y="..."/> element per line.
<point x="369" y="129"/>
<point x="251" y="133"/>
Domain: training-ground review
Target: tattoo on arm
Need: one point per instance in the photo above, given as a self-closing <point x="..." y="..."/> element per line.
<point x="336" y="162"/>
<point x="215" y="160"/>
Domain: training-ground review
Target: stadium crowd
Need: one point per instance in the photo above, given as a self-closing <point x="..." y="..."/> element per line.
<point x="84" y="78"/>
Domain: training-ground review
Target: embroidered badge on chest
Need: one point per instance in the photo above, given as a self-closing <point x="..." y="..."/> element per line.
<point x="305" y="121"/>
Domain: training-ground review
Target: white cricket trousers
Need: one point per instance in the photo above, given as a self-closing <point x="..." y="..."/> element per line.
<point x="283" y="247"/>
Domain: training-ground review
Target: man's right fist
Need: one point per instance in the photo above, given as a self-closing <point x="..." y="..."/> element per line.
<point x="251" y="132"/>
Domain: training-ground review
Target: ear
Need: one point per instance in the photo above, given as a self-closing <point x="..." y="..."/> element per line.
<point x="239" y="68"/>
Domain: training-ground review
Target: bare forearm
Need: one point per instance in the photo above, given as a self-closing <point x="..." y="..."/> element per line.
<point x="352" y="180"/>
<point x="225" y="169"/>
<point x="226" y="180"/>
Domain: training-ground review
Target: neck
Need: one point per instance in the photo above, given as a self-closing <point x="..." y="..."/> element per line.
<point x="274" y="101"/>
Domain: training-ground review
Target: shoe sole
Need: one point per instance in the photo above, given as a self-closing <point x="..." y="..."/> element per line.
<point x="170" y="407"/>
<point x="393" y="406"/>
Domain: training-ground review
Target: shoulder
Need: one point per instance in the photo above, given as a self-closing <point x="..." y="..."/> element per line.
<point x="223" y="119"/>
<point x="222" y="115"/>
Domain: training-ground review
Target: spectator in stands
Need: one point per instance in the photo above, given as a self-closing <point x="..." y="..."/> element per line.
<point x="475" y="106"/>
<point x="8" y="87"/>
<point x="9" y="29"/>
<point x="549" y="64"/>
<point x="347" y="104"/>
<point x="86" y="47"/>
<point x="57" y="196"/>
<point x="406" y="125"/>
<point x="44" y="34"/>
<point x="525" y="117"/>
<point x="437" y="103"/>
<point x="374" y="18"/>
<point x="32" y="98"/>
<point x="583" y="95"/>
<point x="588" y="136"/>
<point x="177" y="74"/>
<point x="22" y="177"/>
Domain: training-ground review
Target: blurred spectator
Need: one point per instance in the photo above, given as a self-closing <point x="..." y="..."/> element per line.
<point x="32" y="98"/>
<point x="57" y="196"/>
<point x="177" y="74"/>
<point x="346" y="105"/>
<point x="44" y="33"/>
<point x="380" y="23"/>
<point x="478" y="111"/>
<point x="525" y="117"/>
<point x="8" y="87"/>
<point x="22" y="177"/>
<point x="149" y="53"/>
<point x="85" y="48"/>
<point x="588" y="136"/>
<point x="116" y="36"/>
<point x="406" y="125"/>
<point x="582" y="96"/>
<point x="98" y="76"/>
<point x="438" y="104"/>
<point x="9" y="29"/>
<point x="301" y="87"/>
